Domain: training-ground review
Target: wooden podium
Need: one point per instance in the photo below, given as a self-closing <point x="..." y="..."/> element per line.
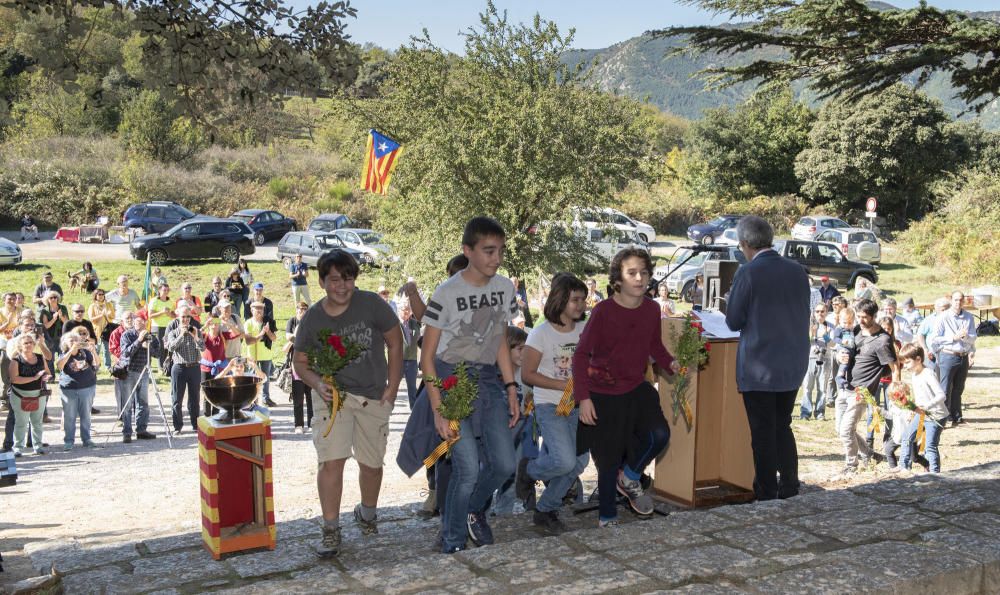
<point x="237" y="491"/>
<point x="712" y="463"/>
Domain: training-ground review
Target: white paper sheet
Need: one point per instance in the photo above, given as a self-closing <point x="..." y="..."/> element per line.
<point x="715" y="324"/>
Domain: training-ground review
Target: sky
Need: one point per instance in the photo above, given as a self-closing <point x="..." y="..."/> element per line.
<point x="390" y="23"/>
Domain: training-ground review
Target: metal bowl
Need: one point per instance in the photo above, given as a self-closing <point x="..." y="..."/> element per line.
<point x="231" y="394"/>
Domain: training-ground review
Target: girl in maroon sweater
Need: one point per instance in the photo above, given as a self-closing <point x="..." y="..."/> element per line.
<point x="622" y="423"/>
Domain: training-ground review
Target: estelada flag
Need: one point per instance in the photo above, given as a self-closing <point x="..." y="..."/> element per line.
<point x="381" y="156"/>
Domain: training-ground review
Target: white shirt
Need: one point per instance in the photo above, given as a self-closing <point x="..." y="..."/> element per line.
<point x="557" y="351"/>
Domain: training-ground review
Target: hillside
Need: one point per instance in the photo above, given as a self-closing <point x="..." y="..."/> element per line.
<point x="640" y="68"/>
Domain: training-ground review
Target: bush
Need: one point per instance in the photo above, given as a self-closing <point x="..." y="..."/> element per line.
<point x="963" y="237"/>
<point x="279" y="188"/>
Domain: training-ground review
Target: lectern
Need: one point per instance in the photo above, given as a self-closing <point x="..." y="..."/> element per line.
<point x="712" y="463"/>
<point x="237" y="491"/>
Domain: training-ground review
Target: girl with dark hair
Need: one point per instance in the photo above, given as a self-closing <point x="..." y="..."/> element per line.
<point x="547" y="365"/>
<point x="88" y="276"/>
<point x="622" y="422"/>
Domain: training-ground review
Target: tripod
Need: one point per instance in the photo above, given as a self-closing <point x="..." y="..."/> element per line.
<point x="156" y="391"/>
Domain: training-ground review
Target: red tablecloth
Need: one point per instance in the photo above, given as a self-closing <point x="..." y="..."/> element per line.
<point x="68" y="234"/>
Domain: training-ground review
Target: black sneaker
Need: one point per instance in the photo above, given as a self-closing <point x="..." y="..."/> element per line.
<point x="922" y="461"/>
<point x="548" y="521"/>
<point x="330" y="544"/>
<point x="144" y="435"/>
<point x="479" y="529"/>
<point x="524" y="485"/>
<point x="94" y="411"/>
<point x="127" y="439"/>
<point x="270" y="403"/>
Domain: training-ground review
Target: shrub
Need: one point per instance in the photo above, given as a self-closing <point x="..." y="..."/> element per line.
<point x="279" y="188"/>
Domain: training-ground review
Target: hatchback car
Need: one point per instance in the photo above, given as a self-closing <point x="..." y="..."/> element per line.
<point x="856" y="243"/>
<point x="313" y="244"/>
<point x="10" y="253"/>
<point x="368" y="242"/>
<point x="330" y="222"/>
<point x="201" y="237"/>
<point x="266" y="225"/>
<point x="708" y="233"/>
<point x="155" y="217"/>
<point x="616" y="219"/>
<point x="820" y="259"/>
<point x="812" y="225"/>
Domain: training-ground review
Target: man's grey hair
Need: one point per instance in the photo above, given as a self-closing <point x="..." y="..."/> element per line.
<point x="889" y="303"/>
<point x="755" y="232"/>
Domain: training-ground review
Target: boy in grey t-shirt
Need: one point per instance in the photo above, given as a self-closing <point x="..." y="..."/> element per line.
<point x="466" y="319"/>
<point x="367" y="389"/>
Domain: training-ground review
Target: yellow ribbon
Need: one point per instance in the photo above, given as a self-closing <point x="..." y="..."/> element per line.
<point x="444" y="447"/>
<point x="921" y="435"/>
<point x="335" y="404"/>
<point x="566" y="404"/>
<point x="529" y="406"/>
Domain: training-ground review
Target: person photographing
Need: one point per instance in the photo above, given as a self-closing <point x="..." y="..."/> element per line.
<point x="185" y="343"/>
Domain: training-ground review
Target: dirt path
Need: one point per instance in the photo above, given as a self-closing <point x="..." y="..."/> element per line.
<point x="110" y="493"/>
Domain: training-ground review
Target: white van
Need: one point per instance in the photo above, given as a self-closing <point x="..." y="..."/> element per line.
<point x="621" y="221"/>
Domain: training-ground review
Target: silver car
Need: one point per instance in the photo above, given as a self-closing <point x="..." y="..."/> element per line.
<point x="811" y="226"/>
<point x="856" y="243"/>
<point x="681" y="282"/>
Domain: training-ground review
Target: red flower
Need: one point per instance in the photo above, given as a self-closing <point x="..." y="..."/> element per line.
<point x="341" y="351"/>
<point x="334" y="341"/>
<point x="449" y="382"/>
<point x="708" y="346"/>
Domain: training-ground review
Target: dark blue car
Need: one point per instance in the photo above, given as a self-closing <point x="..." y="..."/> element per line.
<point x="707" y="233"/>
<point x="266" y="225"/>
<point x="156" y="216"/>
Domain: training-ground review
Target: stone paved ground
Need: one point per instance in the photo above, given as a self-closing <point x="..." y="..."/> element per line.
<point x="921" y="534"/>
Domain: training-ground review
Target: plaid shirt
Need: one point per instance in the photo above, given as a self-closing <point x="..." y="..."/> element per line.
<point x="186" y="349"/>
<point x="137" y="353"/>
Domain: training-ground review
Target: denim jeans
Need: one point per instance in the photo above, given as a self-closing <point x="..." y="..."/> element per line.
<point x="503" y="501"/>
<point x="815" y="381"/>
<point x="475" y="478"/>
<point x="266" y="366"/>
<point x="932" y="438"/>
<point x="410" y="374"/>
<point x="953" y="371"/>
<point x="139" y="403"/>
<point x="76" y="402"/>
<point x="185" y="379"/>
<point x="106" y="352"/>
<point x="557" y="462"/>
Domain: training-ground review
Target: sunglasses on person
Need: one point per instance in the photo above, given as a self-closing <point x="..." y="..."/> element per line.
<point x="77" y="311"/>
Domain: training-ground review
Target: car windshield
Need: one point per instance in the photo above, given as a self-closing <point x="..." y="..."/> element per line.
<point x="322" y="225"/>
<point x="242" y="217"/>
<point x="717" y="222"/>
<point x="697" y="260"/>
<point x="370" y="237"/>
<point x="186" y="213"/>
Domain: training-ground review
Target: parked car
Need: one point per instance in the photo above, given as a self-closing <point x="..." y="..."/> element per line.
<point x="10" y="252"/>
<point x="820" y="259"/>
<point x="812" y="225"/>
<point x="681" y="283"/>
<point x="201" y="237"/>
<point x="155" y="217"/>
<point x="367" y="241"/>
<point x="600" y="242"/>
<point x="330" y="222"/>
<point x="728" y="238"/>
<point x="707" y="233"/>
<point x="856" y="243"/>
<point x="618" y="219"/>
<point x="266" y="225"/>
<point x="313" y="244"/>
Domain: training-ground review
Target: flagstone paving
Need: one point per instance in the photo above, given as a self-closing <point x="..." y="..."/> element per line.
<point x="923" y="534"/>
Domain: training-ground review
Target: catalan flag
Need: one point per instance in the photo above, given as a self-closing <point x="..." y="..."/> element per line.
<point x="381" y="156"/>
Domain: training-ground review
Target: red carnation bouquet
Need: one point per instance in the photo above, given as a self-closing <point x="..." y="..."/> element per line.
<point x="899" y="394"/>
<point x="691" y="352"/>
<point x="459" y="391"/>
<point x="337" y="352"/>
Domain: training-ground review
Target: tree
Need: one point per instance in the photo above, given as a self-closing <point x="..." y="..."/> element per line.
<point x="852" y="48"/>
<point x="504" y="131"/>
<point x="149" y="128"/>
<point x="751" y="149"/>
<point x="210" y="52"/>
<point x="891" y="146"/>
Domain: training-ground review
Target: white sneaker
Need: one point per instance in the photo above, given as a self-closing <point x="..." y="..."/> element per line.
<point x="298" y="430"/>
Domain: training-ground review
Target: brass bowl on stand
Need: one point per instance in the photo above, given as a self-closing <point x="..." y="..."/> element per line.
<point x="231" y="394"/>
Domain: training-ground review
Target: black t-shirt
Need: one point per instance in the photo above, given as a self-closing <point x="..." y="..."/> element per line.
<point x="871" y="359"/>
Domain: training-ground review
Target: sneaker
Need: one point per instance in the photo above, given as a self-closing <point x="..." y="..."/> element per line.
<point x="848" y="471"/>
<point x="269" y="402"/>
<point x="429" y="508"/>
<point x="877" y="458"/>
<point x="479" y="529"/>
<point x="367" y="527"/>
<point x="893" y="469"/>
<point x="91" y="444"/>
<point x="606" y="524"/>
<point x="638" y="499"/>
<point x="178" y="432"/>
<point x="330" y="544"/>
<point x="46" y="420"/>
<point x="922" y="461"/>
<point x="67" y="447"/>
<point x="144" y="435"/>
<point x="548" y="521"/>
<point x="821" y="418"/>
<point x="452" y="549"/>
<point x="127" y="439"/>
<point x="298" y="430"/>
<point x="524" y="485"/>
<point x="18" y="454"/>
<point x="39" y="451"/>
<point x="94" y="411"/>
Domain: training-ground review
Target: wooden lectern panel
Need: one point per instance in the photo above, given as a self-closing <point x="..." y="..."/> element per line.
<point x="714" y="457"/>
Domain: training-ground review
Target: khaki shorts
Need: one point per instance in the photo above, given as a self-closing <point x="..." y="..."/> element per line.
<point x="361" y="430"/>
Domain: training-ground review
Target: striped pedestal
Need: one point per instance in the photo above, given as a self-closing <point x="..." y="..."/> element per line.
<point x="237" y="491"/>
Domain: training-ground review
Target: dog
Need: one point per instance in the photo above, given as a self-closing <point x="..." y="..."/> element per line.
<point x="75" y="282"/>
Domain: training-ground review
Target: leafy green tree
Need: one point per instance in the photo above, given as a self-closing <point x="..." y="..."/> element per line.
<point x="504" y="131"/>
<point x="666" y="130"/>
<point x="149" y="128"/>
<point x="851" y="48"/>
<point x="891" y="146"/>
<point x="751" y="149"/>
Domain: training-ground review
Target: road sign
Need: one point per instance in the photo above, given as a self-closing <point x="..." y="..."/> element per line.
<point x="870" y="205"/>
<point x="870" y="214"/>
